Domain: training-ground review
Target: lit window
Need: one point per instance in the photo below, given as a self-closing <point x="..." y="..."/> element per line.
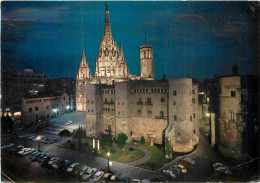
<point x="232" y="115"/>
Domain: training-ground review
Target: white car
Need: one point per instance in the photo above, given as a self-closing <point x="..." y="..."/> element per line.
<point x="88" y="173"/>
<point x="70" y="168"/>
<point x="97" y="176"/>
<point x="68" y="122"/>
<point x="170" y="172"/>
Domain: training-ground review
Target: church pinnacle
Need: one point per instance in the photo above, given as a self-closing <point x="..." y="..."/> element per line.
<point x="107" y="32"/>
<point x="83" y="59"/>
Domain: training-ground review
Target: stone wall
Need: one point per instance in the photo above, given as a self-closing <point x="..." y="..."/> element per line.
<point x="181" y="124"/>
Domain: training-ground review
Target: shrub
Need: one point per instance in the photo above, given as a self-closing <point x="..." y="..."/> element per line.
<point x="142" y="140"/>
<point x="113" y="151"/>
<point x="131" y="148"/>
<point x="64" y="132"/>
<point x="121" y="140"/>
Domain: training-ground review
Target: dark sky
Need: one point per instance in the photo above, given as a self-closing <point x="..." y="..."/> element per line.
<point x="189" y="39"/>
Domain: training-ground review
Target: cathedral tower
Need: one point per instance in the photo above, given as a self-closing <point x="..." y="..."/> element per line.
<point x="110" y="64"/>
<point x="146" y="61"/>
<point x="83" y="77"/>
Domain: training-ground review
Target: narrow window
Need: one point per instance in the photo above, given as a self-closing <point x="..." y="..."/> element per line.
<point x="175" y="118"/>
<point x="190" y="118"/>
<point x="193" y="100"/>
<point x="194" y="115"/>
<point x="162" y="99"/>
<point x="174" y="92"/>
<point x="232" y="115"/>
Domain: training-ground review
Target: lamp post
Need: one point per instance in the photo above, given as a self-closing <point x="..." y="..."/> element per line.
<point x="38" y="138"/>
<point x="108" y="154"/>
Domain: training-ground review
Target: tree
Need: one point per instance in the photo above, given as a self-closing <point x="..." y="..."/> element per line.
<point x="106" y="141"/>
<point x="168" y="148"/>
<point x="7" y="124"/>
<point x="121" y="140"/>
<point x="142" y="140"/>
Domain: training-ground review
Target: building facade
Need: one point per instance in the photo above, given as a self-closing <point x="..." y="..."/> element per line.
<point x="15" y="85"/>
<point x="236" y="115"/>
<point x="44" y="106"/>
<point x="137" y="105"/>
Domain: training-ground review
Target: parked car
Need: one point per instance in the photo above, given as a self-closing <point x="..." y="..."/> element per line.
<point x="145" y="181"/>
<point x="83" y="169"/>
<point x="76" y="170"/>
<point x="183" y="169"/>
<point x="126" y="179"/>
<point x="216" y="164"/>
<point x="136" y="180"/>
<point x="65" y="165"/>
<point x="69" y="122"/>
<point x="191" y="161"/>
<point x="52" y="160"/>
<point x="170" y="172"/>
<point x="40" y="157"/>
<point x="6" y="145"/>
<point x="106" y="177"/>
<point x="114" y="178"/>
<point x="70" y="168"/>
<point x="186" y="164"/>
<point x="88" y="173"/>
<point x="57" y="164"/>
<point x="222" y="169"/>
<point x="97" y="176"/>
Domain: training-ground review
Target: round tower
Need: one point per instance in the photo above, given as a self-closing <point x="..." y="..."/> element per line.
<point x="146" y="61"/>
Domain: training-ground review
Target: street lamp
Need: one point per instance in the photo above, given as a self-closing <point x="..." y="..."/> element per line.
<point x="108" y="154"/>
<point x="38" y="138"/>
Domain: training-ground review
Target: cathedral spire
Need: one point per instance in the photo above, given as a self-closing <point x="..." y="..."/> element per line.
<point x="83" y="59"/>
<point x="107" y="32"/>
<point x="121" y="49"/>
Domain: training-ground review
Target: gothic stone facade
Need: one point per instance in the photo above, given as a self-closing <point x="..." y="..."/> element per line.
<point x="136" y="105"/>
<point x="146" y="108"/>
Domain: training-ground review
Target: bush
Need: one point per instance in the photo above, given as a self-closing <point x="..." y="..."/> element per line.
<point x="64" y="132"/>
<point x="131" y="149"/>
<point x="121" y="140"/>
<point x="142" y="140"/>
<point x="113" y="151"/>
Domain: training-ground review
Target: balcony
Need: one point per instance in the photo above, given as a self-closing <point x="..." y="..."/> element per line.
<point x="139" y="102"/>
<point x="148" y="103"/>
<point x="161" y="117"/>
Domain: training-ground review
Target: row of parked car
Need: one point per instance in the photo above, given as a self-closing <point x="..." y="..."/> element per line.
<point x="180" y="168"/>
<point x="67" y="167"/>
<point x="43" y="139"/>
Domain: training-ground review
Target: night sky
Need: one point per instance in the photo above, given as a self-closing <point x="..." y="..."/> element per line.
<point x="189" y="39"/>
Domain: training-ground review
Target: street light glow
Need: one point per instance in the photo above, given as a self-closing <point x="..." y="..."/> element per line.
<point x="38" y="137"/>
<point x="108" y="154"/>
<point x="54" y="110"/>
<point x="208" y="114"/>
<point x="68" y="107"/>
